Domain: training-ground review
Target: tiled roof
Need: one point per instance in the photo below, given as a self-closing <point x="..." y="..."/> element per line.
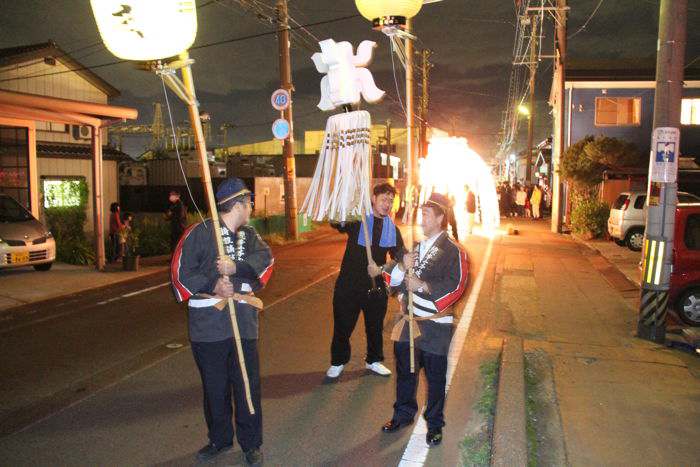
<point x="77" y="151"/>
<point x="25" y="53"/>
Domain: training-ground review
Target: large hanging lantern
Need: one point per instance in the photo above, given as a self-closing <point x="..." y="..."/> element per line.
<point x="388" y="13"/>
<point x="145" y="30"/>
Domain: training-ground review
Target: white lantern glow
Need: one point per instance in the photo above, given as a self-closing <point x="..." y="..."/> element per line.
<point x="388" y="12"/>
<point x="146" y="29"/>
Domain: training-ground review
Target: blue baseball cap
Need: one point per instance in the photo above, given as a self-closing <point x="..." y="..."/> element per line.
<point x="231" y="188"/>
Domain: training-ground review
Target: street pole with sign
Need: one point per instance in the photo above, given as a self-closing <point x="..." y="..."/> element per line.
<point x="663" y="169"/>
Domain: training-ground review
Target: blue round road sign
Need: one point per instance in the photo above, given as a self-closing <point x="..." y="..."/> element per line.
<point x="280" y="99"/>
<point x="280" y="129"/>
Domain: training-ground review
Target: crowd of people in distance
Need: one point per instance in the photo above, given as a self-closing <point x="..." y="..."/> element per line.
<point x="525" y="200"/>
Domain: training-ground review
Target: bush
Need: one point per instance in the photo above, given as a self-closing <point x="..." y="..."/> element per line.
<point x="585" y="161"/>
<point x="590" y="215"/>
<point x="153" y="234"/>
<point x="66" y="224"/>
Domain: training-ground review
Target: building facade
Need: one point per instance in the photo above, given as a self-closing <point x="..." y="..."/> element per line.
<point x="40" y="154"/>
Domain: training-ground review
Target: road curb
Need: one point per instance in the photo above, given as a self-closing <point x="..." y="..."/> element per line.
<point x="509" y="432"/>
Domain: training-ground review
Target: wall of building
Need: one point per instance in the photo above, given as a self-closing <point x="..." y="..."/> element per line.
<point x="269" y="194"/>
<point x="59" y="82"/>
<point x="582" y="111"/>
<point x="81" y="168"/>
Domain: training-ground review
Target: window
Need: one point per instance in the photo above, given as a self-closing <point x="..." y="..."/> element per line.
<point x="639" y="202"/>
<point x="692" y="232"/>
<point x="619" y="202"/>
<point x="61" y="192"/>
<point x="14" y="163"/>
<point x="690" y="111"/>
<point x="618" y="111"/>
<point x="52" y="127"/>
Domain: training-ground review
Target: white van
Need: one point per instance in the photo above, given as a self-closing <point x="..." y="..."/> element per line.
<point x="628" y="217"/>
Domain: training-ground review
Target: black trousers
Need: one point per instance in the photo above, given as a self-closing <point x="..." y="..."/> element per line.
<point x="175" y="235"/>
<point x="435" y="366"/>
<point x="220" y="372"/>
<point x="346" y="309"/>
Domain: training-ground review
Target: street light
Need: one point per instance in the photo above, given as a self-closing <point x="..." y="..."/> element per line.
<point x="145" y="30"/>
<point x="524" y="110"/>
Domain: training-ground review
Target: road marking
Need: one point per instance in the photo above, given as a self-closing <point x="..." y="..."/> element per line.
<point x="417" y="450"/>
<point x="59" y="315"/>
<point x="131" y="294"/>
<point x="307" y="286"/>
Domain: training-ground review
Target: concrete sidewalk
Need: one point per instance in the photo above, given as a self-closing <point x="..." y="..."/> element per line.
<point x="615" y="399"/>
<point x="23" y="286"/>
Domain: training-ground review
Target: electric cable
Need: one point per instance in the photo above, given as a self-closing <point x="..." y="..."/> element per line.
<point x="177" y="151"/>
<point x="587" y="21"/>
<point x="203" y="46"/>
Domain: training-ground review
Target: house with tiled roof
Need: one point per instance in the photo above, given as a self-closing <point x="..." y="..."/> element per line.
<point x="54" y="114"/>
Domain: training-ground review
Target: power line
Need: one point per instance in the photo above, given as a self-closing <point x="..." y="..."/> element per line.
<point x="587" y="21"/>
<point x="203" y="46"/>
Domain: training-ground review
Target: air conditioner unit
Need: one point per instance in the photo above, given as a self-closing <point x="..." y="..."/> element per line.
<point x="81" y="132"/>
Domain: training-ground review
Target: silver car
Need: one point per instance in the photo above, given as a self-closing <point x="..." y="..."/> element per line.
<point x="628" y="216"/>
<point x="24" y="241"/>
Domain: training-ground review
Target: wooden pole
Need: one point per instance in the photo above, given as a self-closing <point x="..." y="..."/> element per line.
<point x="531" y="120"/>
<point x="290" y="190"/>
<point x="558" y="142"/>
<point x="193" y="108"/>
<point x="410" y="153"/>
<point x="97" y="201"/>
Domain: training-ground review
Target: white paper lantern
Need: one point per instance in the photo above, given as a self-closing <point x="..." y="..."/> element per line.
<point x="388" y="12"/>
<point x="146" y="29"/>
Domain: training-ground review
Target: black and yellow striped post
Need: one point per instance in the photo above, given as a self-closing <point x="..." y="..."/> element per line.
<point x="654" y="299"/>
<point x="663" y="171"/>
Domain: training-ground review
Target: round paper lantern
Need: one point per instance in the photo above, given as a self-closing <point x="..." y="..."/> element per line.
<point x="388" y="12"/>
<point x="146" y="29"/>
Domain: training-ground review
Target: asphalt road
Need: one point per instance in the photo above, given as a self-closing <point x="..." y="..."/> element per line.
<point x="108" y="379"/>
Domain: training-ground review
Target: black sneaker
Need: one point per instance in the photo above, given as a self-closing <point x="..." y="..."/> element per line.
<point x="211" y="451"/>
<point x="253" y="457"/>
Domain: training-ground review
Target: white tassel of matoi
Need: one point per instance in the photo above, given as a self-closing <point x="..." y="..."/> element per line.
<point x="340" y="188"/>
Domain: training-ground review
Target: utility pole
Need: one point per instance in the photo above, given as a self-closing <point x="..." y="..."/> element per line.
<point x="410" y="144"/>
<point x="533" y="75"/>
<point x="290" y="190"/>
<point x="558" y="140"/>
<point x="663" y="170"/>
<point x="423" y="124"/>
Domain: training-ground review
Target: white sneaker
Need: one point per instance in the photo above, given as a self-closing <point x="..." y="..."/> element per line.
<point x="379" y="368"/>
<point x="334" y="371"/>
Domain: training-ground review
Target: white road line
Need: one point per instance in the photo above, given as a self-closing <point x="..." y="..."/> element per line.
<point x="131" y="294"/>
<point x="417" y="450"/>
<point x="307" y="286"/>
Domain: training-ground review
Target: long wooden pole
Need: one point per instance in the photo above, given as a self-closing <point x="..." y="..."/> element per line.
<point x="290" y="190"/>
<point x="200" y="144"/>
<point x="410" y="152"/>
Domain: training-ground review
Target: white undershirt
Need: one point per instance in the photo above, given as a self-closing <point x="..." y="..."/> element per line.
<point x="397" y="274"/>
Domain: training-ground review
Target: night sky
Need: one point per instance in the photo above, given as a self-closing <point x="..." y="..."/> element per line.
<point x="472" y="42"/>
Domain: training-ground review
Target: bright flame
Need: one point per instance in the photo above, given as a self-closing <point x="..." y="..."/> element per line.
<point x="450" y="166"/>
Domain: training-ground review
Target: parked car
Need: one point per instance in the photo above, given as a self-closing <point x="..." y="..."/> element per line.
<point x="24" y="241"/>
<point x="684" y="295"/>
<point x="627" y="218"/>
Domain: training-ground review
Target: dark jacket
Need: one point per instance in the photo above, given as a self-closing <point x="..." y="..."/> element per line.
<point x="445" y="268"/>
<point x="193" y="273"/>
<point x="353" y="270"/>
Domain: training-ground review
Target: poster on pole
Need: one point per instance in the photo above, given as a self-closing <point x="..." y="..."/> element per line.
<point x="665" y="147"/>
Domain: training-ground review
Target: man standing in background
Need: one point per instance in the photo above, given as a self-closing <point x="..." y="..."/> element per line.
<point x="177" y="215"/>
